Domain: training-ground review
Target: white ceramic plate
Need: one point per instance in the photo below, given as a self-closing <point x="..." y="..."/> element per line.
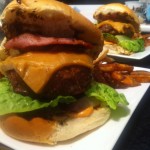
<point x="88" y="11"/>
<point x="135" y="56"/>
<point x="104" y="137"/>
<point x="145" y="28"/>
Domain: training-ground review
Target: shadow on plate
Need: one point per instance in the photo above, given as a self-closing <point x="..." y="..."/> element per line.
<point x="119" y="113"/>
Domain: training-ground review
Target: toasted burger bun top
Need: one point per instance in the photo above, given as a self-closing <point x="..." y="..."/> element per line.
<point x="117" y="12"/>
<point x="48" y="18"/>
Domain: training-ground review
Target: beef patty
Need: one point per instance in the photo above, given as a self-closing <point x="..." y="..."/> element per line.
<point x="72" y="80"/>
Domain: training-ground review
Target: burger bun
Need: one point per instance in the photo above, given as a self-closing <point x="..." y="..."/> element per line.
<point x="40" y="130"/>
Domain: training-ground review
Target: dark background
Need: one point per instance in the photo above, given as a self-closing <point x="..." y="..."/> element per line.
<point x="91" y="1"/>
<point x="136" y="135"/>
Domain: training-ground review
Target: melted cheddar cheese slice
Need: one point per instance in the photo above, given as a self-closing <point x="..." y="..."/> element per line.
<point x="118" y="26"/>
<point x="36" y="68"/>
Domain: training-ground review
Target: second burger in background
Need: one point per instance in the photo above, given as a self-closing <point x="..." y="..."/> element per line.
<point x="120" y="27"/>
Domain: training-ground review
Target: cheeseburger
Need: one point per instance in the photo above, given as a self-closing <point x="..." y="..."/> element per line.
<point x="120" y="27"/>
<point x="47" y="92"/>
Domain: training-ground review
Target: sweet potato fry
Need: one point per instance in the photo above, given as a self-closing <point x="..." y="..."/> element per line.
<point x="141" y="79"/>
<point x="140" y="72"/>
<point x="125" y="79"/>
<point x="141" y="76"/>
<point x="115" y="67"/>
<point x="146" y="38"/>
<point x="119" y="75"/>
<point x="129" y="81"/>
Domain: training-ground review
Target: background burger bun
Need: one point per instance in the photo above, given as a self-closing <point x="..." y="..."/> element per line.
<point x="48" y="18"/>
<point x="44" y="131"/>
<point x="117" y="12"/>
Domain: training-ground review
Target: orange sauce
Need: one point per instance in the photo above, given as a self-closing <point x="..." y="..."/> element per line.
<point x="84" y="113"/>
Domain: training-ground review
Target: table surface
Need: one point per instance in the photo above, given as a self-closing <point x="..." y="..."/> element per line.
<point x="136" y="135"/>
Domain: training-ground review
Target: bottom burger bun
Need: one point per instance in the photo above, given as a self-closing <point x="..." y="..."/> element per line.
<point x="41" y="130"/>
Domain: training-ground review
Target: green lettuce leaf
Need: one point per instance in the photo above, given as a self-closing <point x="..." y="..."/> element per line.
<point x="106" y="94"/>
<point x="132" y="45"/>
<point x="11" y="102"/>
<point x="109" y="37"/>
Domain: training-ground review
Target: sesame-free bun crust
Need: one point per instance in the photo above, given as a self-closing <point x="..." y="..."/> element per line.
<point x="117" y="12"/>
<point x="40" y="130"/>
<point x="49" y="18"/>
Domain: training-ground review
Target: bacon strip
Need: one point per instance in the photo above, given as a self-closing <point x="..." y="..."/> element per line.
<point x="26" y="41"/>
